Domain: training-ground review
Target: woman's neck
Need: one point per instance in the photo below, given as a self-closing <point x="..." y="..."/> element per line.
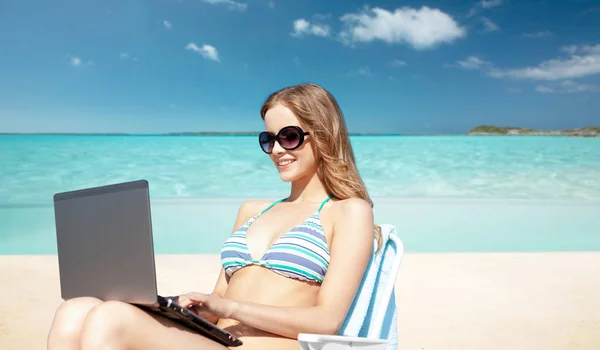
<point x="309" y="189"/>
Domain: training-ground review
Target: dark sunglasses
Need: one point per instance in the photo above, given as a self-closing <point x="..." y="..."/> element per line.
<point x="289" y="138"/>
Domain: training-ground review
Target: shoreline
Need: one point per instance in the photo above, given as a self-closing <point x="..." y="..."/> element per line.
<point x="433" y="226"/>
<point x="445" y="300"/>
<point x="448" y="200"/>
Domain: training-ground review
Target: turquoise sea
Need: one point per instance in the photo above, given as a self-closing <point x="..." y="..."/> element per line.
<point x="444" y="193"/>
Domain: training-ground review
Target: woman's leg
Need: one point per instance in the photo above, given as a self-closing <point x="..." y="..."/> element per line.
<point x="68" y="322"/>
<point x="117" y="325"/>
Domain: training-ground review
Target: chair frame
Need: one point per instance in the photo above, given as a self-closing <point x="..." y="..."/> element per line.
<point x="375" y="331"/>
<point x="373" y="340"/>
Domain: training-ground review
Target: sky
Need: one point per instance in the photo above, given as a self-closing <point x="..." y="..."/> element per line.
<point x="208" y="65"/>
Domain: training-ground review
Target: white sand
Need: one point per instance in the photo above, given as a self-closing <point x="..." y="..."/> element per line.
<point x="446" y="301"/>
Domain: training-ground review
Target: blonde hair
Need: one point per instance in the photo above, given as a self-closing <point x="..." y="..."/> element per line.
<point x="320" y="113"/>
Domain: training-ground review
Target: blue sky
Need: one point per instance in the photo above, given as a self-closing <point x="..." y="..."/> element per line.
<point x="207" y="65"/>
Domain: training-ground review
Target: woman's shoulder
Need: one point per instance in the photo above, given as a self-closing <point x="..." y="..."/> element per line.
<point x="255" y="204"/>
<point x="252" y="207"/>
<point x="352" y="223"/>
<point x="350" y="206"/>
<point x="350" y="212"/>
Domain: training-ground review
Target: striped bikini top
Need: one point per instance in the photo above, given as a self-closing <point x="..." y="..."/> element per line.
<point x="301" y="253"/>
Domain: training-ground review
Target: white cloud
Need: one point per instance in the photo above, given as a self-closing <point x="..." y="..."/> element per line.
<point x="583" y="61"/>
<point x="207" y="51"/>
<point x="271" y="4"/>
<point x="589" y="49"/>
<point x="75" y="61"/>
<point x="543" y="89"/>
<point x="488" y="25"/>
<point x="590" y="10"/>
<point x="167" y="24"/>
<point x="302" y="26"/>
<point x="421" y="28"/>
<point x="472" y="63"/>
<point x="398" y="63"/>
<point x="321" y="16"/>
<point x="571" y="49"/>
<point x="320" y="30"/>
<point x="536" y="35"/>
<point x="567" y="86"/>
<point x="364" y="71"/>
<point x="230" y="4"/>
<point x="571" y="86"/>
<point x="126" y="56"/>
<point x="486" y="4"/>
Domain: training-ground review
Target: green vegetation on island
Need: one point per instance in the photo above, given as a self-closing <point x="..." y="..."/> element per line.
<point x="590" y="131"/>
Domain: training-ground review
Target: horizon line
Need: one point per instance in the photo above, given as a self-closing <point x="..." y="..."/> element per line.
<point x="480" y="129"/>
<point x="224" y="133"/>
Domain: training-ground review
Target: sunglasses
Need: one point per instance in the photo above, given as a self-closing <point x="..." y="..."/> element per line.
<point x="289" y="138"/>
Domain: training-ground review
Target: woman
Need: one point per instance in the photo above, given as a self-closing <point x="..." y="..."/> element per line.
<point x="290" y="267"/>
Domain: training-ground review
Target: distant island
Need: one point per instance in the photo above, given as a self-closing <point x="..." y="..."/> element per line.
<point x="590" y="131"/>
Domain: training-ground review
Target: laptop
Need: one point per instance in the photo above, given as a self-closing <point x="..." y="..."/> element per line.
<point x="106" y="250"/>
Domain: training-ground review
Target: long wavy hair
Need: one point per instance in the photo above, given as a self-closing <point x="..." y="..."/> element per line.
<point x="319" y="112"/>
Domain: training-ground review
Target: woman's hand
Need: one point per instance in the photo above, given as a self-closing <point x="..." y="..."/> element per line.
<point x="208" y="305"/>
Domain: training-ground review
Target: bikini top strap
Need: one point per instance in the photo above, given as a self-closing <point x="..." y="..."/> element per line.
<point x="323" y="203"/>
<point x="271" y="206"/>
<point x="282" y="199"/>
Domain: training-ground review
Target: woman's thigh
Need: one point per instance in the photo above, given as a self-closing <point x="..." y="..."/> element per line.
<point x="71" y="314"/>
<point x="116" y="322"/>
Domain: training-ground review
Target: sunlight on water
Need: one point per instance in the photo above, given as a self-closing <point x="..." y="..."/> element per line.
<point x="35" y="167"/>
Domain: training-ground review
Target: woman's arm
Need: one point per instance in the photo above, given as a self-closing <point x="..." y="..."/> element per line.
<point x="350" y="251"/>
<point x="246" y="210"/>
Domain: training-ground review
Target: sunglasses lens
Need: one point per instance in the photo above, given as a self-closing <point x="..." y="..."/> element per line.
<point x="266" y="142"/>
<point x="289" y="138"/>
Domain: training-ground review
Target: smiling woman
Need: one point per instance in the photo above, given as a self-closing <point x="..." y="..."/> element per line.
<point x="330" y="156"/>
<point x="287" y="263"/>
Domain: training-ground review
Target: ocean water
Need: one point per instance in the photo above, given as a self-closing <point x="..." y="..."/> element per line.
<point x="542" y="193"/>
<point x="33" y="168"/>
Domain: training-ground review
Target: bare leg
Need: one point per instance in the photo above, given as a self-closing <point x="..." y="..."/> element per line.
<point x="115" y="325"/>
<point x="68" y="322"/>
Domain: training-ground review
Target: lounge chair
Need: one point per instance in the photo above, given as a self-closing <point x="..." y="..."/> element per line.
<point x="371" y="323"/>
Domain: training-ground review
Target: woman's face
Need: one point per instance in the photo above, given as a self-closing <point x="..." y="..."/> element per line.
<point x="291" y="164"/>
